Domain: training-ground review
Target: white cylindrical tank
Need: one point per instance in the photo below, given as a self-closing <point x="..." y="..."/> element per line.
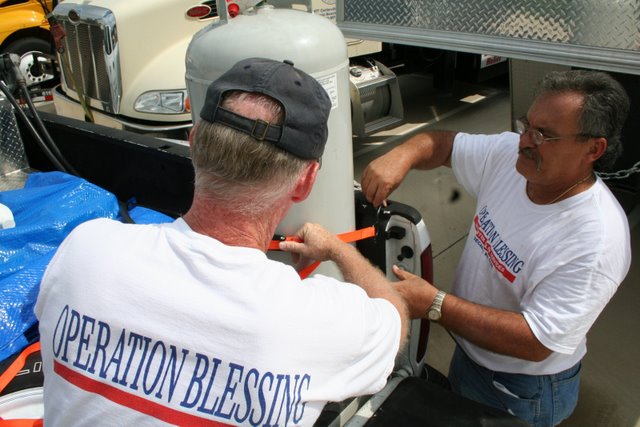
<point x="316" y="46"/>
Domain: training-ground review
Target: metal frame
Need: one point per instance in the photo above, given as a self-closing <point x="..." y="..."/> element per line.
<point x="379" y="26"/>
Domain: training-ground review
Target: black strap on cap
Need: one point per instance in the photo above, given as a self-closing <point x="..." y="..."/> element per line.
<point x="258" y="129"/>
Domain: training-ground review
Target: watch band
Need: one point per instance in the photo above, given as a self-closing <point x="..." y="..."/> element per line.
<point x="434" y="312"/>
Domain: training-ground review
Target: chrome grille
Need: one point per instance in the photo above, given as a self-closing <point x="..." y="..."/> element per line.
<point x="90" y="61"/>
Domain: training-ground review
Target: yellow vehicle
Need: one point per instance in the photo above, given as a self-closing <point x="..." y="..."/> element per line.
<point x="24" y="30"/>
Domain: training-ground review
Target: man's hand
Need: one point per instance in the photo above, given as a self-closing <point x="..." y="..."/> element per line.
<point x="382" y="176"/>
<point x="316" y="244"/>
<point x="417" y="292"/>
<point x="426" y="150"/>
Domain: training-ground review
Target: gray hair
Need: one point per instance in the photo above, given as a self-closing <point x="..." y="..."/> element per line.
<point x="234" y="168"/>
<point x="604" y="109"/>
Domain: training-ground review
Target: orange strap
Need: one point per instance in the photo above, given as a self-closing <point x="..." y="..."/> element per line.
<point x="348" y="237"/>
<point x="8" y="375"/>
<point x="17" y="365"/>
<point x="355" y="235"/>
<point x="275" y="243"/>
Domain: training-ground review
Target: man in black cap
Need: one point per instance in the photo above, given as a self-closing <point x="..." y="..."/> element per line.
<point x="190" y="322"/>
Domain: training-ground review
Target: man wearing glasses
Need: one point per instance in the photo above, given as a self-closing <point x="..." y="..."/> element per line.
<point x="547" y="249"/>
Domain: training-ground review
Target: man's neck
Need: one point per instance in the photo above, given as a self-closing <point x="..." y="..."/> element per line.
<point x="546" y="196"/>
<point x="231" y="228"/>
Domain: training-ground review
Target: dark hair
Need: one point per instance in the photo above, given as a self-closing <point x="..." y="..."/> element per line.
<point x="604" y="110"/>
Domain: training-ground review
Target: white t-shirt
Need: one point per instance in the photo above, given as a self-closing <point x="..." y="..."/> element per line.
<point x="556" y="264"/>
<point x="163" y="321"/>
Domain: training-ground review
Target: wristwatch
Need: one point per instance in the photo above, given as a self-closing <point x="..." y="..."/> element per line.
<point x="434" y="313"/>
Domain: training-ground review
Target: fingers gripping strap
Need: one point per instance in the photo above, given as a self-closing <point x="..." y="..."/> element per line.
<point x="348" y="237"/>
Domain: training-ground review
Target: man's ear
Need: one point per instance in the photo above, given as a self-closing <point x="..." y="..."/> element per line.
<point x="305" y="182"/>
<point x="598" y="148"/>
<point x="192" y="133"/>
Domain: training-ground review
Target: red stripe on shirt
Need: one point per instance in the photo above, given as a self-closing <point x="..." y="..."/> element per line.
<point x="132" y="401"/>
<point x="499" y="266"/>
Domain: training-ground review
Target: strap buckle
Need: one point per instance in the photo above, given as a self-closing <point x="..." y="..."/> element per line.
<point x="265" y="129"/>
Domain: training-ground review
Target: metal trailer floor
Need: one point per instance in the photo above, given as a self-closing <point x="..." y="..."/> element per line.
<point x="610" y="392"/>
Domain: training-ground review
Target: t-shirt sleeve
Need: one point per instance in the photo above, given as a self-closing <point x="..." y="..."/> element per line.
<point x="566" y="304"/>
<point x="361" y="335"/>
<point x="474" y="154"/>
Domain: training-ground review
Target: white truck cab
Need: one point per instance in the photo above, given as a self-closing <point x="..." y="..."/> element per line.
<point x="123" y="62"/>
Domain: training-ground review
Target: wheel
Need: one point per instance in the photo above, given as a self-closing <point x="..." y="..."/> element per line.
<point x="32" y="49"/>
<point x="29" y="44"/>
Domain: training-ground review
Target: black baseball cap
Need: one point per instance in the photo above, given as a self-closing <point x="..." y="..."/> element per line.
<point x="304" y="130"/>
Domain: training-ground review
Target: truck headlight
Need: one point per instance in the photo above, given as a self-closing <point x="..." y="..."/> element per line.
<point x="162" y="102"/>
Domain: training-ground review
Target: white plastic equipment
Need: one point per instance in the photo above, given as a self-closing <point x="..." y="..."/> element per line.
<point x="6" y="217"/>
<point x="316" y="46"/>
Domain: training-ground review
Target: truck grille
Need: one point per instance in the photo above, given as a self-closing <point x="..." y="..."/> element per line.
<point x="90" y="60"/>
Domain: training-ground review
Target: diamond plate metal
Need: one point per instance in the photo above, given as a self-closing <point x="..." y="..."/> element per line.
<point x="610" y="24"/>
<point x="12" y="155"/>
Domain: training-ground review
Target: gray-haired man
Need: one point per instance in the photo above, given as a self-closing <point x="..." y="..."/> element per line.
<point x="190" y="323"/>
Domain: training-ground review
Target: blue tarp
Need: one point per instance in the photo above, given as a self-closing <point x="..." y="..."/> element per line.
<point x="49" y="206"/>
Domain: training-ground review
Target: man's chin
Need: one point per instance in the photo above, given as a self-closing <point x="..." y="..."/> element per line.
<point x="525" y="166"/>
<point x="528" y="161"/>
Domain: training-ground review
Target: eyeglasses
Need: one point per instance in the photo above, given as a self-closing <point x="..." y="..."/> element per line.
<point x="522" y="127"/>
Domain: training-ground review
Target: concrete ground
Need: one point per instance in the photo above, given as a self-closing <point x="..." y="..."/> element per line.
<point x="610" y="392"/>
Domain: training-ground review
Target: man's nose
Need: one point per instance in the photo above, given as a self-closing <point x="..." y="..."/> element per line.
<point x="526" y="139"/>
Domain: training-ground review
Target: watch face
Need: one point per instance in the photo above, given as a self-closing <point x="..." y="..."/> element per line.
<point x="434" y="315"/>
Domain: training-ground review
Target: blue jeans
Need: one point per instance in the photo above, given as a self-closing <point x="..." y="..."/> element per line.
<point x="540" y="400"/>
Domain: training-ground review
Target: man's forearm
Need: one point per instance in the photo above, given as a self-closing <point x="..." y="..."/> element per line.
<point x="429" y="150"/>
<point x="501" y="331"/>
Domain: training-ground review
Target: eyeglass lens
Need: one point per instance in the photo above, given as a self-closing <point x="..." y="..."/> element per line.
<point x="522" y="128"/>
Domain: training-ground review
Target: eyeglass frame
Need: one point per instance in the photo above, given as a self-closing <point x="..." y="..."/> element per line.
<point x="522" y="127"/>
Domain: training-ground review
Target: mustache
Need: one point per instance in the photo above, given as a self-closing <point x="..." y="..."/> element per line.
<point x="531" y="154"/>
